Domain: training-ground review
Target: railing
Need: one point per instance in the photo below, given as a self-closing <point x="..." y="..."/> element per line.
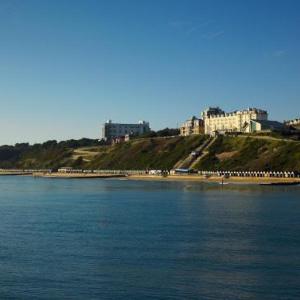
<point x="278" y="174"/>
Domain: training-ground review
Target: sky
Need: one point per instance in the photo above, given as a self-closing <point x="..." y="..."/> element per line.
<point x="68" y="66"/>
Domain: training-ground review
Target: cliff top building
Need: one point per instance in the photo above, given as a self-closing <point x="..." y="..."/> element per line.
<point x="192" y="126"/>
<point x="217" y="121"/>
<point x="112" y="130"/>
<point x="266" y="125"/>
<point x="294" y="123"/>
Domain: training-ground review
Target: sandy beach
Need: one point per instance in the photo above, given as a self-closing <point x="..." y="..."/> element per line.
<point x="241" y="180"/>
<point x="185" y="177"/>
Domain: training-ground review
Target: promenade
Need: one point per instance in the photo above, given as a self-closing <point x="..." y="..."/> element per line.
<point x="217" y="179"/>
<point x="222" y="177"/>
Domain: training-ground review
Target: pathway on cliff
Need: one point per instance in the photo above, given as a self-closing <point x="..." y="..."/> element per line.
<point x="189" y="161"/>
<point x="87" y="153"/>
<point x="205" y="151"/>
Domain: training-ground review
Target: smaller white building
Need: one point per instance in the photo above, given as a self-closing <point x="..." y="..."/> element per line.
<point x="293" y="123"/>
<point x="65" y="170"/>
<point x="192" y="126"/>
<point x="265" y="125"/>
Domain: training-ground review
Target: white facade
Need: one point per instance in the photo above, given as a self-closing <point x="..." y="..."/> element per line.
<point x="295" y="122"/>
<point x="112" y="130"/>
<point x="217" y="121"/>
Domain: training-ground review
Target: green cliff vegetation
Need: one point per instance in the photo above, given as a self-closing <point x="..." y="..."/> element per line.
<point x="154" y="152"/>
<point x="50" y="154"/>
<point x="226" y="153"/>
<point x="252" y="153"/>
<point x="150" y="153"/>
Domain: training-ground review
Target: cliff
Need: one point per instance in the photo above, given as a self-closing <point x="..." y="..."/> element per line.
<point x="222" y="153"/>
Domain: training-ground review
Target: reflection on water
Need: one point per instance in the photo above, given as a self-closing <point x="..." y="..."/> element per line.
<point x="112" y="239"/>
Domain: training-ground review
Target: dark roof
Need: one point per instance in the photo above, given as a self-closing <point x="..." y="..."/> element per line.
<point x="269" y="124"/>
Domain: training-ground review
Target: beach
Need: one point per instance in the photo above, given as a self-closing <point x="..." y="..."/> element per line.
<point x="217" y="179"/>
<point x="186" y="177"/>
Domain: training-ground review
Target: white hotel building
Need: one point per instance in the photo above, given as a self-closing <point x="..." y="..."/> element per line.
<point x="112" y="130"/>
<point x="217" y="121"/>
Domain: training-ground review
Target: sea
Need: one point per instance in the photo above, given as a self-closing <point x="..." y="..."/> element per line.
<point x="125" y="239"/>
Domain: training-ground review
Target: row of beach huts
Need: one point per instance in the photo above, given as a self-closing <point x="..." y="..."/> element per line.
<point x="278" y="174"/>
<point x="153" y="172"/>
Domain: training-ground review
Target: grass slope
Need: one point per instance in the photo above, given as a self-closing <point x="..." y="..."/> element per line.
<point x="151" y="153"/>
<point x="39" y="156"/>
<point x="248" y="153"/>
<point x="227" y="153"/>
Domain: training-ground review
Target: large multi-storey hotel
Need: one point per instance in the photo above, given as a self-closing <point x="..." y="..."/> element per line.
<point x="217" y="121"/>
<point x="112" y="130"/>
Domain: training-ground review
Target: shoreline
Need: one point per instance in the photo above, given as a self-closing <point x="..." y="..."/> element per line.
<point x="215" y="179"/>
<point x="187" y="177"/>
<point x="16" y="173"/>
<point x="77" y="175"/>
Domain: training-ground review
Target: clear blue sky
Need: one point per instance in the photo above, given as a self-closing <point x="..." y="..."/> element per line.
<point x="67" y="66"/>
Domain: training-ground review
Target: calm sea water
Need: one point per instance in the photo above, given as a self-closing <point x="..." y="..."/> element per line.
<point x="112" y="239"/>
